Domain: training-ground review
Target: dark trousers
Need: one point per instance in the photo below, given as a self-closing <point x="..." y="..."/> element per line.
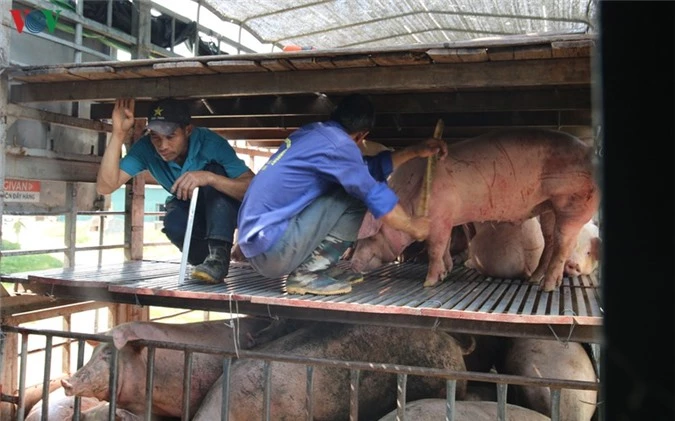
<point x="215" y="219"/>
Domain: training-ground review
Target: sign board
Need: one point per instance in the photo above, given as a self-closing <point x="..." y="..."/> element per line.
<point x="22" y="190"/>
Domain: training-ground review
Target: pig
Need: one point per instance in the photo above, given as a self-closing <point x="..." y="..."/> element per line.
<point x="434" y="410"/>
<point x="550" y="359"/>
<point x="61" y="407"/>
<point x="504" y="176"/>
<point x="377" y="391"/>
<point x="92" y="379"/>
<point x="506" y="250"/>
<point x="586" y="254"/>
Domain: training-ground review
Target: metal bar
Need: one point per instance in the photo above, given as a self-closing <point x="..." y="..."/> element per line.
<point x="72" y="45"/>
<point x="195" y="47"/>
<point x="187" y="383"/>
<point x="45" y="378"/>
<point x="173" y="32"/>
<point x="354" y="379"/>
<point x="555" y="404"/>
<point x="79" y="9"/>
<point x="266" y="390"/>
<point x="188" y="235"/>
<point x="450" y="391"/>
<point x="402" y="380"/>
<point x="310" y="393"/>
<point x="101" y="228"/>
<point x="22" y="377"/>
<point x="225" y="402"/>
<point x="501" y="401"/>
<point x="80" y="361"/>
<point x="149" y="383"/>
<point x="112" y="384"/>
<point x="109" y="14"/>
<point x="70" y="225"/>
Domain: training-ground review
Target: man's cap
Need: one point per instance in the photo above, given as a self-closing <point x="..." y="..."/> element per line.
<point x="165" y="116"/>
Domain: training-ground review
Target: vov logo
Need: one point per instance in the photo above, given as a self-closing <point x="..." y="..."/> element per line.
<point x="35" y="21"/>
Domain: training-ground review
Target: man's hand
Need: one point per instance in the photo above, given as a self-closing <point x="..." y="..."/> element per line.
<point x="187" y="182"/>
<point x="431" y="147"/>
<point x="123" y="115"/>
<point x="415" y="226"/>
<point x="420" y="226"/>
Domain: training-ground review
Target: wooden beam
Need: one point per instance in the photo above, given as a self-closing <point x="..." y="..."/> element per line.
<point x="28" y="113"/>
<point x="38" y="168"/>
<point x="572" y="71"/>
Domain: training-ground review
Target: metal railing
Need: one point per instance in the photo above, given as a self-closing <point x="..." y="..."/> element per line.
<point x="451" y="377"/>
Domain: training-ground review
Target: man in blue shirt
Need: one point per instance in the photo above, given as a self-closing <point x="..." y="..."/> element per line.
<point x="304" y="208"/>
<point x="181" y="157"/>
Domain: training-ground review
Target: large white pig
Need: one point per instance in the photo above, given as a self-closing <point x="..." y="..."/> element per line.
<point x="92" y="379"/>
<point x="586" y="254"/>
<point x="508" y="250"/>
<point x="555" y="360"/>
<point x="506" y="176"/>
<point x="434" y="410"/>
<point x="61" y="407"/>
<point x="377" y="391"/>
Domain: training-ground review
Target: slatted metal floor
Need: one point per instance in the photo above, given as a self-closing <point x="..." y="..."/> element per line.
<point x="392" y="294"/>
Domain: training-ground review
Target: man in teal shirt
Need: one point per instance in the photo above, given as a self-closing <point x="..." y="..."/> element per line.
<point x="181" y="157"/>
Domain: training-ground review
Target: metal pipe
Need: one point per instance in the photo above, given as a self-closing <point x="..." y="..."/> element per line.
<point x="22" y="377"/>
<point x="149" y="382"/>
<point x="501" y="401"/>
<point x="266" y="390"/>
<point x="555" y="404"/>
<point x="101" y="227"/>
<point x="225" y="402"/>
<point x="45" y="378"/>
<point x="80" y="361"/>
<point x="401" y="382"/>
<point x="354" y="379"/>
<point x="112" y="384"/>
<point x="310" y="393"/>
<point x="187" y="383"/>
<point x="450" y="391"/>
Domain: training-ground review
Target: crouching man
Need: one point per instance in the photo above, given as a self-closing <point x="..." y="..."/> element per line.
<point x="181" y="157"/>
<point x="304" y="208"/>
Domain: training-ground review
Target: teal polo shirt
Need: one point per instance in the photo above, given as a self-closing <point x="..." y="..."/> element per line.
<point x="204" y="147"/>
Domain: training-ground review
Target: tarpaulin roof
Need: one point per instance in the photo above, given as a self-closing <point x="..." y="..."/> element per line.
<point x="376" y="23"/>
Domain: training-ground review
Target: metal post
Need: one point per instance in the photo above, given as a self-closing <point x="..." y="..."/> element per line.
<point x="187" y="383"/>
<point x="310" y="393"/>
<point x="22" y="377"/>
<point x="71" y="225"/>
<point x="402" y="380"/>
<point x="4" y="95"/>
<point x="46" y="376"/>
<point x="450" y="392"/>
<point x="355" y="377"/>
<point x="80" y="362"/>
<point x="267" y="392"/>
<point x="195" y="47"/>
<point x="149" y="382"/>
<point x="225" y="402"/>
<point x="501" y="401"/>
<point x="78" y="30"/>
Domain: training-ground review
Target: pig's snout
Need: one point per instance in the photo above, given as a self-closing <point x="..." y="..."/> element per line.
<point x="572" y="268"/>
<point x="67" y="387"/>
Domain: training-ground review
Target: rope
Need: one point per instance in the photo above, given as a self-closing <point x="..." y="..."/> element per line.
<point x="423" y="205"/>
<point x="234" y="325"/>
<point x="574" y="323"/>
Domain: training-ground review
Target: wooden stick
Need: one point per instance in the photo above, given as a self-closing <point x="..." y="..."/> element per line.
<point x="423" y="208"/>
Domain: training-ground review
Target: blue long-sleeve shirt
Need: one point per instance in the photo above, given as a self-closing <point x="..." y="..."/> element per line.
<point x="312" y="161"/>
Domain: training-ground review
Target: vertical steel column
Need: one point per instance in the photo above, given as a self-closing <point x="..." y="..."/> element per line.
<point x="80" y="362"/>
<point x="267" y="392"/>
<point x="501" y="401"/>
<point x="71" y="225"/>
<point x="310" y="393"/>
<point x="79" y="9"/>
<point x="450" y="391"/>
<point x="354" y="379"/>
<point x="225" y="398"/>
<point x="22" y="377"/>
<point x="149" y="383"/>
<point x="46" y="376"/>
<point x="5" y="26"/>
<point x="187" y="383"/>
<point x="112" y="383"/>
<point x="555" y="404"/>
<point x="401" y="384"/>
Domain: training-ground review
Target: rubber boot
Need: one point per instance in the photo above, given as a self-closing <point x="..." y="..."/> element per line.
<point x="311" y="277"/>
<point x="216" y="265"/>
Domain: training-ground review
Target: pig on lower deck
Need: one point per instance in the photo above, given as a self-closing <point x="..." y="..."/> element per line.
<point x="377" y="391"/>
<point x="507" y="176"/>
<point x="61" y="407"/>
<point x="92" y="379"/>
<point x="550" y="359"/>
<point x="435" y="410"/>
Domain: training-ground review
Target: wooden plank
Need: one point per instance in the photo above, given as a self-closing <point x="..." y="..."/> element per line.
<point x="544" y="298"/>
<point x="530" y="301"/>
<point x="506" y="299"/>
<point x="279" y="65"/>
<point x="532" y="52"/>
<point x="490" y="286"/>
<point x="582" y="309"/>
<point x="235" y="66"/>
<point x="496" y="296"/>
<point x="500" y="53"/>
<point x="576" y="48"/>
<point x="309" y="63"/>
<point x="183" y="68"/>
<point x="58" y="74"/>
<point x="140" y="72"/>
<point x="94" y="72"/>
<point x="457" y="55"/>
<point x="520" y="296"/>
<point x="437" y="77"/>
<point x="400" y="59"/>
<point x="345" y="62"/>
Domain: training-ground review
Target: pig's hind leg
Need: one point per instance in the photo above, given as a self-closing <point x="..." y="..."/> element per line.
<point x="548" y="223"/>
<point x="440" y="260"/>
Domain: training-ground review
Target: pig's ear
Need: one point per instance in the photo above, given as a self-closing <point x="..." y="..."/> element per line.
<point x="596" y="248"/>
<point x="369" y="227"/>
<point x="122" y="336"/>
<point x="92" y="342"/>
